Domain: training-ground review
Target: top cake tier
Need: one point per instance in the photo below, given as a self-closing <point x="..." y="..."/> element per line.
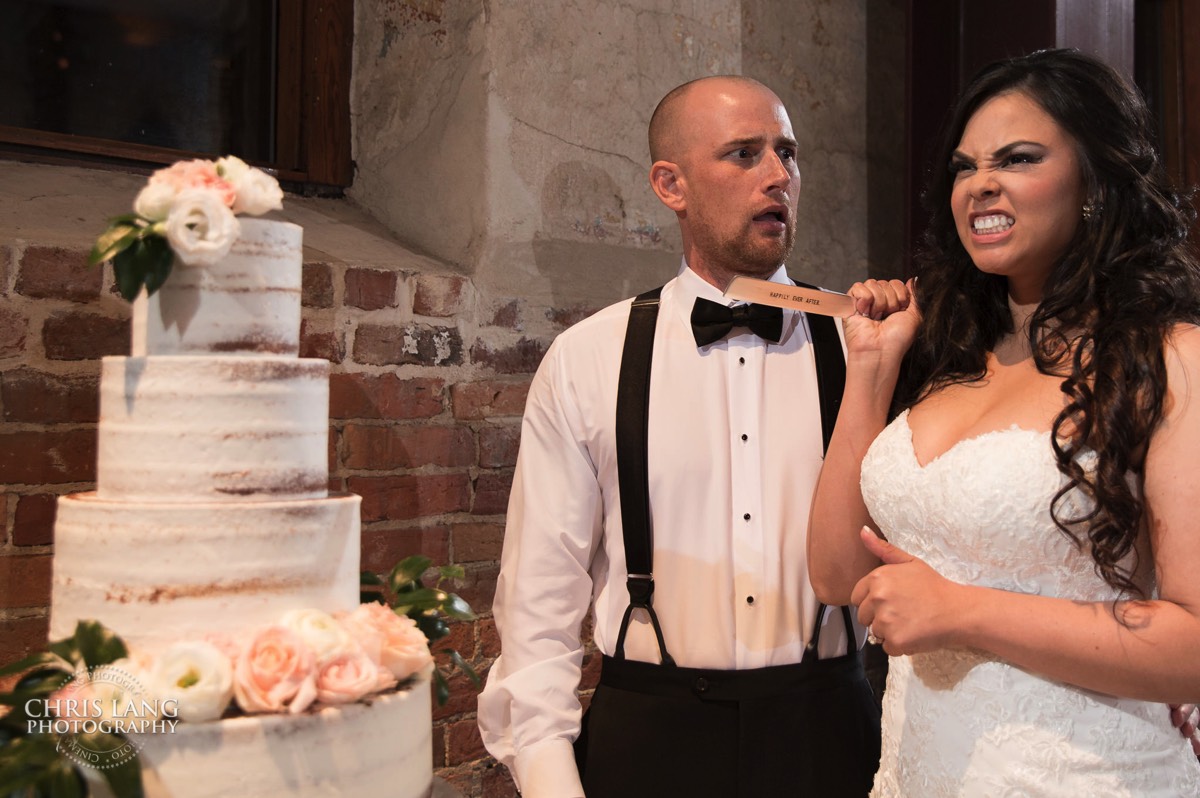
<point x="246" y="304"/>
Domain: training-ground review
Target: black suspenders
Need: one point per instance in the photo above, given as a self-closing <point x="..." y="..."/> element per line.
<point x="633" y="416"/>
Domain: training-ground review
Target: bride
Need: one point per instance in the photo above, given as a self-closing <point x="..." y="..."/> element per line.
<point x="1038" y="486"/>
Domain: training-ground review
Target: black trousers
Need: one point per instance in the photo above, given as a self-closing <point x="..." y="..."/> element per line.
<point x="810" y="729"/>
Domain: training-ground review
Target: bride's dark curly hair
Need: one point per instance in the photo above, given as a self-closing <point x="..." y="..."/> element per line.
<point x="1108" y="306"/>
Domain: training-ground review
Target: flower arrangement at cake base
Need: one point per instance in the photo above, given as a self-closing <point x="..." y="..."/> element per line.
<point x="314" y="702"/>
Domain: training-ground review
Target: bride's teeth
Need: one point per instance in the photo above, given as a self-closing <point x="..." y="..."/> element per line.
<point x="992" y="224"/>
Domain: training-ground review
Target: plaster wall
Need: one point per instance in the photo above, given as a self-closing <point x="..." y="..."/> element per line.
<point x="509" y="138"/>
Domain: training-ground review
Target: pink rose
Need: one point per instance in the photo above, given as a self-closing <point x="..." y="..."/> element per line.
<point x="275" y="671"/>
<point x="402" y="647"/>
<point x="196" y="174"/>
<point x="347" y="678"/>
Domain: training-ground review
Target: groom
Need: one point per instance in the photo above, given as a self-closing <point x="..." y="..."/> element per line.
<point x="722" y="675"/>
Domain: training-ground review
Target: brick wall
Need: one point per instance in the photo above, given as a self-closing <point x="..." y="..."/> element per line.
<point x="425" y="405"/>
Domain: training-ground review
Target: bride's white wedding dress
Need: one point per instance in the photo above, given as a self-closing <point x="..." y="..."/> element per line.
<point x="960" y="723"/>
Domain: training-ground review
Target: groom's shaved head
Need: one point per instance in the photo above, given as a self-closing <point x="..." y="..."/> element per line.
<point x="669" y="123"/>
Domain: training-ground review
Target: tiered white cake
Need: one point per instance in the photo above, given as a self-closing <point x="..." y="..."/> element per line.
<point x="212" y="516"/>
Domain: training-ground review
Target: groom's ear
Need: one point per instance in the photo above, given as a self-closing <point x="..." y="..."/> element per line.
<point x="669" y="185"/>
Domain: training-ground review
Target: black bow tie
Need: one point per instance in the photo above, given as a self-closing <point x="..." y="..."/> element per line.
<point x="712" y="321"/>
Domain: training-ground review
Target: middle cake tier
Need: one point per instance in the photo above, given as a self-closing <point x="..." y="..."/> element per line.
<point x="202" y="428"/>
<point x="158" y="573"/>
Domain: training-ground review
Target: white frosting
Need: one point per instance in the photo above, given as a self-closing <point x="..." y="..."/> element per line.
<point x="248" y="303"/>
<point x="204" y="428"/>
<point x="380" y="748"/>
<point x="157" y="573"/>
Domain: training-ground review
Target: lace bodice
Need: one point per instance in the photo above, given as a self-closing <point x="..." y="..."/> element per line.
<point x="958" y="723"/>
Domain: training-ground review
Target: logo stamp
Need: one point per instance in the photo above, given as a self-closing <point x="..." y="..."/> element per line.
<point x="98" y="715"/>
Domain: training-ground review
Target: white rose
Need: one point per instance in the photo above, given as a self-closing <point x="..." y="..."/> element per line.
<point x="321" y="633"/>
<point x="200" y="228"/>
<point x="256" y="191"/>
<point x="192" y="681"/>
<point x="154" y="201"/>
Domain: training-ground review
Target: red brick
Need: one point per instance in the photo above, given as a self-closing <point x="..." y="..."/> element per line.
<point x="463" y="742"/>
<point x="390" y="447"/>
<point x="383" y="548"/>
<point x="20" y="637"/>
<point x="507" y="316"/>
<point x="438" y="295"/>
<point x="491" y="493"/>
<point x="565" y="317"/>
<point x="464" y="695"/>
<point x="13" y="327"/>
<point x="317" y="286"/>
<point x="82" y="335"/>
<point x="4" y="512"/>
<point x="497" y="782"/>
<point x="25" y="581"/>
<point x="479" y="587"/>
<point x="460" y="781"/>
<point x="439" y="745"/>
<point x="477" y="542"/>
<point x="489" y="638"/>
<point x="409" y="344"/>
<point x="38" y="458"/>
<point x="498" y="445"/>
<point x="55" y="273"/>
<point x="327" y="345"/>
<point x="385" y="396"/>
<point x="410" y="496"/>
<point x="41" y="398"/>
<point x="522" y="357"/>
<point x="461" y="637"/>
<point x="489" y="399"/>
<point x="591" y="671"/>
<point x="370" y="289"/>
<point x="34" y="521"/>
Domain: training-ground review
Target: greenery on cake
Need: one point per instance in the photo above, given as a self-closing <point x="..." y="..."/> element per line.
<point x="186" y="211"/>
<point x="307" y="660"/>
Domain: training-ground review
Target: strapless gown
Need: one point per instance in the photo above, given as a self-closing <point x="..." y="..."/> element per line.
<point x="963" y="724"/>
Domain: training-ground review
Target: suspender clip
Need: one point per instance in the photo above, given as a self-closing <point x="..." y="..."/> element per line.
<point x="641" y="589"/>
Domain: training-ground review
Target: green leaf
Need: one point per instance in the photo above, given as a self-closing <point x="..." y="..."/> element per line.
<point x="369" y="579"/>
<point x="43" y="681"/>
<point x="159" y="260"/>
<point x="130" y="272"/>
<point x="408" y="570"/>
<point x="112" y="241"/>
<point x="441" y="690"/>
<point x="421" y="599"/>
<point x="432" y="626"/>
<point x="456" y="608"/>
<point x="463" y="665"/>
<point x="33" y="661"/>
<point x="65" y="781"/>
<point x="125" y="780"/>
<point x="451" y="572"/>
<point x="99" y="645"/>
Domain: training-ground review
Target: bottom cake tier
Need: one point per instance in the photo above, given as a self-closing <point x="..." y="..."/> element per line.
<point x="380" y="747"/>
<point x="159" y="573"/>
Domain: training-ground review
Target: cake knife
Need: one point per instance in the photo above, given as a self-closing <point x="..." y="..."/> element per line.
<point x="810" y="300"/>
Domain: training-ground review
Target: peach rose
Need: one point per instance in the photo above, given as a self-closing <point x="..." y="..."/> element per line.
<point x="347" y="678"/>
<point x="200" y="174"/>
<point x="402" y="646"/>
<point x="276" y="670"/>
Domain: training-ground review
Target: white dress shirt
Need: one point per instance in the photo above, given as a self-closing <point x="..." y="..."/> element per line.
<point x="734" y="453"/>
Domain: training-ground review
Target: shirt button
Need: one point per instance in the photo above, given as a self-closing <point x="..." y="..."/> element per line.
<point x="745" y="437"/>
<point x="742" y="360"/>
<point x="749" y="599"/>
<point x="746" y="516"/>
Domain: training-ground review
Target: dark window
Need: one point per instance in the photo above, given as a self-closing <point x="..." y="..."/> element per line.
<point x="151" y="81"/>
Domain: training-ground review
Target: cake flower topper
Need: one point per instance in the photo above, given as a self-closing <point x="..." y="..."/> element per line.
<point x="186" y="211"/>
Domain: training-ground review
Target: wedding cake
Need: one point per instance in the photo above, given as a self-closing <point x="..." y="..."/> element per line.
<point x="211" y="519"/>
